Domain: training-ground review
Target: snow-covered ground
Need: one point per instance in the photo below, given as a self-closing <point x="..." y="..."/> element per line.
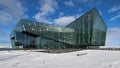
<point x="5" y="46"/>
<point x="78" y="59"/>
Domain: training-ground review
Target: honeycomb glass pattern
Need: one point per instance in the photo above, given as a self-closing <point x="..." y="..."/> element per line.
<point x="87" y="30"/>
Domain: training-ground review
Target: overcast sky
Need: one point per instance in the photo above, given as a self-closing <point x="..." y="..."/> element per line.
<point x="58" y="12"/>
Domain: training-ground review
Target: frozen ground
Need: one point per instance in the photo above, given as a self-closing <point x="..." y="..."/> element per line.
<point x="78" y="59"/>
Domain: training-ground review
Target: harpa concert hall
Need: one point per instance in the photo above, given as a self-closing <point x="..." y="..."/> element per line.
<point x="87" y="30"/>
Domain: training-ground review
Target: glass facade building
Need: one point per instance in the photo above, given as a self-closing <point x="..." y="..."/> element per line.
<point x="87" y="30"/>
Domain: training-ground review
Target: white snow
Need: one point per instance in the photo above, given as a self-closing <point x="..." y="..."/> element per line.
<point x="5" y="46"/>
<point x="109" y="46"/>
<point x="85" y="59"/>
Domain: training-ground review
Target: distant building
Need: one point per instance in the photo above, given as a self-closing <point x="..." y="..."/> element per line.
<point x="87" y="30"/>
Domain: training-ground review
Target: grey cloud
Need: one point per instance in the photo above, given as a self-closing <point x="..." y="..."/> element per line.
<point x="4" y="34"/>
<point x="4" y="42"/>
<point x="12" y="10"/>
<point x="46" y="7"/>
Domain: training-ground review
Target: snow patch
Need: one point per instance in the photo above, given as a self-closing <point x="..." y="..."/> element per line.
<point x="89" y="59"/>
